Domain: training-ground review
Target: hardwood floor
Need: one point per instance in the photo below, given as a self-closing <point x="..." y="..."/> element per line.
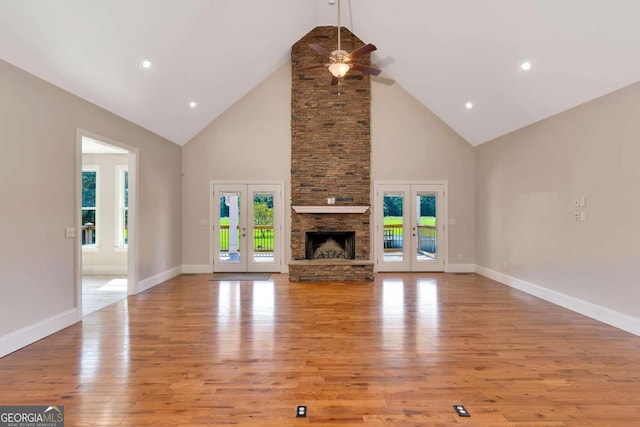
<point x="398" y="351"/>
<point x="101" y="290"/>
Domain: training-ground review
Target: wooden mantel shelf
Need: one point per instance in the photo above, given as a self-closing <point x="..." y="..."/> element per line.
<point x="331" y="209"/>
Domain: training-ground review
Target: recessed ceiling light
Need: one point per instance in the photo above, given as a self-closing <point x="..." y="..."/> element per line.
<point x="526" y="65"/>
<point x="145" y="63"/>
<point x="193" y="104"/>
<point x="468" y="105"/>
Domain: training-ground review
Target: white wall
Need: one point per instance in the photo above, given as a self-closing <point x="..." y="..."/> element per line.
<point x="252" y="141"/>
<point x="106" y="257"/>
<point x="38" y="124"/>
<point x="526" y="185"/>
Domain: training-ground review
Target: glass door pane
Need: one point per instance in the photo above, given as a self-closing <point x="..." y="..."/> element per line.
<point x="426" y="226"/>
<point x="265" y="219"/>
<point x="393" y="227"/>
<point x="393" y="220"/>
<point x="263" y="228"/>
<point x="230" y="227"/>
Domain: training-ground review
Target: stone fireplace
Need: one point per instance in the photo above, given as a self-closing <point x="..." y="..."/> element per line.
<point x="330" y="160"/>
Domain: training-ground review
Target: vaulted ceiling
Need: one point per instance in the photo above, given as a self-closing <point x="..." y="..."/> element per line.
<point x="212" y="52"/>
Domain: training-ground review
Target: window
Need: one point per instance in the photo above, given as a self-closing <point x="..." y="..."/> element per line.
<point x="122" y="216"/>
<point x="89" y="205"/>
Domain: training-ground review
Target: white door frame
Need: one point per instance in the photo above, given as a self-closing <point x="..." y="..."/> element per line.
<point x="279" y="242"/>
<point x="132" y="244"/>
<point x="410" y="249"/>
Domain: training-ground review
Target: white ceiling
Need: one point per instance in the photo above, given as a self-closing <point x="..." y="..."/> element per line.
<point x="93" y="146"/>
<point x="444" y="52"/>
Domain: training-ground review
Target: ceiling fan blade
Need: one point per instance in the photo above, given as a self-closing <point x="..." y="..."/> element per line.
<point x="365" y="69"/>
<point x="362" y="51"/>
<point x="383" y="80"/>
<point x="334" y="81"/>
<point x="322" y="51"/>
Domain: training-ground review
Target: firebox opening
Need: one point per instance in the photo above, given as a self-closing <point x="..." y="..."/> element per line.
<point x="335" y="244"/>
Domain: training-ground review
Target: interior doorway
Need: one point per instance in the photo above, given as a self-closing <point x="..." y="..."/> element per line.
<point x="106" y="266"/>
<point x="411" y="232"/>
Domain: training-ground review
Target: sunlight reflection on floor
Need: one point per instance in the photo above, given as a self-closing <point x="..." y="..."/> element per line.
<point x="114" y="285"/>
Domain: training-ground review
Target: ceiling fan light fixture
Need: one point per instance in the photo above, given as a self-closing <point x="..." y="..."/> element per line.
<point x="341" y="61"/>
<point x="339" y="69"/>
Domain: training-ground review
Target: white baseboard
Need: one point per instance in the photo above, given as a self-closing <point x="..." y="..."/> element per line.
<point x="152" y="281"/>
<point x="28" y="335"/>
<point x="594" y="311"/>
<point x="197" y="269"/>
<point x="460" y="268"/>
<point x="104" y="269"/>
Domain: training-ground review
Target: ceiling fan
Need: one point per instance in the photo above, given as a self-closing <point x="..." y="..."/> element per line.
<point x="341" y="61"/>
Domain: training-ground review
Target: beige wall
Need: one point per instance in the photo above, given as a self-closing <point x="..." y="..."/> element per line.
<point x="526" y="184"/>
<point x="409" y="143"/>
<point x="38" y="124"/>
<point x="252" y="141"/>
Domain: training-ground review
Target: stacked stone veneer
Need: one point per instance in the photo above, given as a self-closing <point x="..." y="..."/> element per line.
<point x="330" y="156"/>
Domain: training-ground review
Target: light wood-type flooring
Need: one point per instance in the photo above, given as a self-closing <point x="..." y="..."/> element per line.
<point x="101" y="290"/>
<point x="400" y="351"/>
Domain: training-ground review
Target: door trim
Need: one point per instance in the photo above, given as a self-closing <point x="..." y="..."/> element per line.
<point x="133" y="287"/>
<point x="379" y="222"/>
<point x="278" y="216"/>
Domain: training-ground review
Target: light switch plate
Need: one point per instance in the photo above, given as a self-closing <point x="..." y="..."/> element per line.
<point x="70" y="232"/>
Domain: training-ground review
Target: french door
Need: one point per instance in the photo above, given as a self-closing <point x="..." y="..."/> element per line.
<point x="411" y="227"/>
<point x="247" y="232"/>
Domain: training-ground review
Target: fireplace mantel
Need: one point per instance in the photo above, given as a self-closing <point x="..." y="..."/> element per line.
<point x="331" y="209"/>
